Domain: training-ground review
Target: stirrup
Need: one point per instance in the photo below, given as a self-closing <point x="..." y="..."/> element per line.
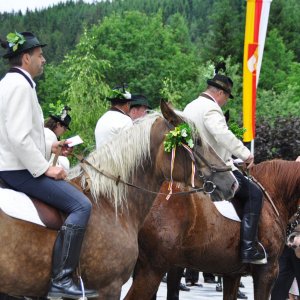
<point x="262" y="261"/>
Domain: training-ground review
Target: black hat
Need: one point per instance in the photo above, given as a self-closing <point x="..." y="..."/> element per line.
<point x="20" y="42"/>
<point x="64" y="118"/>
<point x="222" y="82"/>
<point x="139" y="100"/>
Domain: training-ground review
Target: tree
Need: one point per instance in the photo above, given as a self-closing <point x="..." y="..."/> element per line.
<point x="143" y="52"/>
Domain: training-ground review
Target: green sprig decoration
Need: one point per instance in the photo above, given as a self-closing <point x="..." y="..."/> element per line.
<point x="15" y="39"/>
<point x="56" y="108"/>
<point x="182" y="134"/>
<point x="237" y="130"/>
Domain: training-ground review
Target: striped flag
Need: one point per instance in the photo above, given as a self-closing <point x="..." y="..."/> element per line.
<point x="255" y="34"/>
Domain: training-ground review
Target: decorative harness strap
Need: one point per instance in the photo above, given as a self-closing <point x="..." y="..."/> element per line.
<point x="266" y="193"/>
<point x="119" y="180"/>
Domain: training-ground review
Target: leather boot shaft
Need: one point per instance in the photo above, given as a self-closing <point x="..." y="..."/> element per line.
<point x="66" y="254"/>
<point x="250" y="252"/>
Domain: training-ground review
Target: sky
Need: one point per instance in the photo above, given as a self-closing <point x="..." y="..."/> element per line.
<point x="16" y="5"/>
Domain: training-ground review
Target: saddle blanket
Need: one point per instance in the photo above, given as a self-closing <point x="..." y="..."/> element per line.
<point x="227" y="210"/>
<point x="19" y="205"/>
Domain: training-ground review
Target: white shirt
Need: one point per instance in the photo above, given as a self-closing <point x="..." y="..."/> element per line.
<point x="110" y="125"/>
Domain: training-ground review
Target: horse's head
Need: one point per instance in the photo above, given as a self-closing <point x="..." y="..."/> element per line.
<point x="211" y="172"/>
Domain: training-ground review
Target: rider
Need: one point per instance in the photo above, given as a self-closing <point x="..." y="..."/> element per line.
<point x="138" y="107"/>
<point x="115" y="119"/>
<point x="23" y="163"/>
<point x="55" y="126"/>
<point x="209" y="119"/>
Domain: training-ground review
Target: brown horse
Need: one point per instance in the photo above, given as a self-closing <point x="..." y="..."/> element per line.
<point x="188" y="231"/>
<point x="110" y="248"/>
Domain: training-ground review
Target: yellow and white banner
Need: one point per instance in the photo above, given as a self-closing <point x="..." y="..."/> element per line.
<point x="255" y="34"/>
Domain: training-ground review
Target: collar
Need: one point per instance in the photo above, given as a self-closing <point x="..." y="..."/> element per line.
<point x="208" y="96"/>
<point x="118" y="110"/>
<point x="23" y="73"/>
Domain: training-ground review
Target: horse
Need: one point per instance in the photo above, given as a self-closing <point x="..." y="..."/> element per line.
<point x="121" y="180"/>
<point x="188" y="231"/>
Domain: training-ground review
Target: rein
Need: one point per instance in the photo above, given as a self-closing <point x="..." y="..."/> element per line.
<point x="118" y="179"/>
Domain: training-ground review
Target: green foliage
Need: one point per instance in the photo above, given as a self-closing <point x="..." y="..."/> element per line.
<point x="236" y="129"/>
<point x="182" y="134"/>
<point x="163" y="49"/>
<point x="86" y="90"/>
<point x="276" y="63"/>
<point x="56" y="108"/>
<point x="143" y="52"/>
<point x="15" y="39"/>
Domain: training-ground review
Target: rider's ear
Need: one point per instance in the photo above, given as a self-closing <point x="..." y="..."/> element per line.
<point x="169" y="114"/>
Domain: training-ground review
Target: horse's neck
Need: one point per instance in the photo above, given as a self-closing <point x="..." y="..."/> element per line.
<point x="141" y="197"/>
<point x="284" y="191"/>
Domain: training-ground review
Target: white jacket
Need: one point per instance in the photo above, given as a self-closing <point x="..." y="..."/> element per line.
<point x="110" y="125"/>
<point x="22" y="136"/>
<point x="210" y="122"/>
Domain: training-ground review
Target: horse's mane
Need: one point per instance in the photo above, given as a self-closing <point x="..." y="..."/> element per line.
<point x="119" y="157"/>
<point x="280" y="175"/>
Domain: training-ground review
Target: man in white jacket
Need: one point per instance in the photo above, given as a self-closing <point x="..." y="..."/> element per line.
<point x="116" y="119"/>
<point x="24" y="156"/>
<point x="209" y="119"/>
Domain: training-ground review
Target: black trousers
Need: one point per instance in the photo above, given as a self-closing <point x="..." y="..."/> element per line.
<point x="57" y="193"/>
<point x="191" y="275"/>
<point x="289" y="268"/>
<point x="249" y="194"/>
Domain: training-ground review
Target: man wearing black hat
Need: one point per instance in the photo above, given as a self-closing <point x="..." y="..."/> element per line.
<point x="115" y="119"/>
<point x="23" y="163"/>
<point x="138" y="107"/>
<point x="209" y="119"/>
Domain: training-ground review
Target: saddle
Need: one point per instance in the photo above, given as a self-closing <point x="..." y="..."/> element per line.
<point x="50" y="216"/>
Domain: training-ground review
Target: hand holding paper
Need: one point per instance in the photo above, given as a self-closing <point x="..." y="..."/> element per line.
<point x="75" y="140"/>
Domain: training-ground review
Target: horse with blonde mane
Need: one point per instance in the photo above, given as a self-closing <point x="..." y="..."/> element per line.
<point x="124" y="178"/>
<point x="189" y="231"/>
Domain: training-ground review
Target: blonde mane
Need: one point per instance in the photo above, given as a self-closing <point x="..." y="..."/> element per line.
<point x="119" y="157"/>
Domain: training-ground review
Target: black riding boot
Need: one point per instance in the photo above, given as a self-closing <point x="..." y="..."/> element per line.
<point x="66" y="253"/>
<point x="249" y="251"/>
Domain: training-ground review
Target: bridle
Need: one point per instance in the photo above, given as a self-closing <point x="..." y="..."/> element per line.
<point x="208" y="186"/>
<point x="290" y="231"/>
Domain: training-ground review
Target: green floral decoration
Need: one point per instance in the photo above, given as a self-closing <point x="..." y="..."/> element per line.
<point x="182" y="134"/>
<point x="117" y="93"/>
<point x="15" y="39"/>
<point x="237" y="130"/>
<point x="56" y="108"/>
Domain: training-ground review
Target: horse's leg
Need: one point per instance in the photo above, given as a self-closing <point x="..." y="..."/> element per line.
<point x="230" y="287"/>
<point x="173" y="281"/>
<point x="264" y="278"/>
<point x="146" y="281"/>
<point x="111" y="291"/>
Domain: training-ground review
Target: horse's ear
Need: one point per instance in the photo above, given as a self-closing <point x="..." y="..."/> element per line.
<point x="169" y="114"/>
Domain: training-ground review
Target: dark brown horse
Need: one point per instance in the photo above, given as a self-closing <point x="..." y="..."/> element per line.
<point x="188" y="231"/>
<point x="110" y="248"/>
